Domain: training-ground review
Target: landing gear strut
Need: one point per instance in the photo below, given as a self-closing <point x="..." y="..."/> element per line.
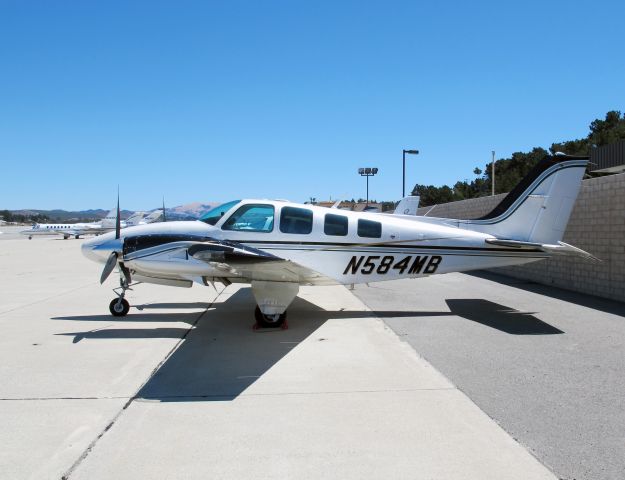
<point x="272" y="299"/>
<point x="119" y="307"/>
<point x="269" y="321"/>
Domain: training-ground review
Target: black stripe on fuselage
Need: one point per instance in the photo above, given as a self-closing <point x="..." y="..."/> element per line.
<point x="351" y="246"/>
<point x="442" y="252"/>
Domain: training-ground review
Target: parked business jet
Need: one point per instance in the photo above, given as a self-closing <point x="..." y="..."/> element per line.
<point x="76" y="230"/>
<point x="276" y="246"/>
<point x="107" y="224"/>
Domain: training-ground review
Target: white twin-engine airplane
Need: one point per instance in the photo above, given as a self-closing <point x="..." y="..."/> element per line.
<point x="276" y="246"/>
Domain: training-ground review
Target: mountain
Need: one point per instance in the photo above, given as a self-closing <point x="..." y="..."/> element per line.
<point x="70" y="216"/>
<point x="195" y="209"/>
<point x="189" y="211"/>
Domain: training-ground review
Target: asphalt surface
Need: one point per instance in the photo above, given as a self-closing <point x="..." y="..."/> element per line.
<point x="546" y="364"/>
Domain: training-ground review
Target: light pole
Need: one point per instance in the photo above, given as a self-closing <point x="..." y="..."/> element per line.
<point x="403" y="182"/>
<point x="367" y="172"/>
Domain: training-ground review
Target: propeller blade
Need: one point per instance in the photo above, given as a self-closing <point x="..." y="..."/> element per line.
<point x="118" y="225"/>
<point x="109" y="267"/>
<point x="164" y="216"/>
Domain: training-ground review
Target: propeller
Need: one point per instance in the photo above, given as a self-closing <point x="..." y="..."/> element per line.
<point x="109" y="267"/>
<point x="111" y="262"/>
<point x="164" y="216"/>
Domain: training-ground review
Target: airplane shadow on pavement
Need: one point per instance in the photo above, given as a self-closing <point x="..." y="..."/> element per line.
<point x="589" y="301"/>
<point x="222" y="356"/>
<point x="500" y="317"/>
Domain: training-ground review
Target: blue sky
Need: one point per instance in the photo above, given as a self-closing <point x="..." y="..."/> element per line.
<point x="209" y="101"/>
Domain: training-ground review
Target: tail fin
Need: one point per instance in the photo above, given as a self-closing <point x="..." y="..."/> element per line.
<point x="408" y="205"/>
<point x="154" y="216"/>
<point x="135" y="218"/>
<point x="538" y="208"/>
<point x="109" y="220"/>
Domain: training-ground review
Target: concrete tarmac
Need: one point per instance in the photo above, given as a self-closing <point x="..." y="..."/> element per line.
<point x="546" y="364"/>
<point x="183" y="388"/>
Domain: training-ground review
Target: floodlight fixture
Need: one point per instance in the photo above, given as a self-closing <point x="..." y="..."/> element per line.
<point x="368" y="172"/>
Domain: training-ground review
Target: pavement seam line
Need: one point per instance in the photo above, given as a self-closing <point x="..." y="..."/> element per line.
<point x="286" y="394"/>
<point x="93" y="443"/>
<point x="43" y="399"/>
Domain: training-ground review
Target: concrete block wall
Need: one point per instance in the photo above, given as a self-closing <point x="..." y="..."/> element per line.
<point x="597" y="225"/>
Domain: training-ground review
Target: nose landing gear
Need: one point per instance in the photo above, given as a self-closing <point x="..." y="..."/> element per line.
<point x="119" y="307"/>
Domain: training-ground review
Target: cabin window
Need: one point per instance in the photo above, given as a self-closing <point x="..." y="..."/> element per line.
<point x="335" y="225"/>
<point x="296" y="220"/>
<point x="251" y="218"/>
<point x="213" y="216"/>
<point x="369" y="229"/>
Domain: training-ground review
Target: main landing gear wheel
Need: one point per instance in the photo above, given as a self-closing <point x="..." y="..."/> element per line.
<point x="119" y="307"/>
<point x="269" y="321"/>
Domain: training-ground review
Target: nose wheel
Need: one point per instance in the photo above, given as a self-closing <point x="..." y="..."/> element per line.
<point x="119" y="307"/>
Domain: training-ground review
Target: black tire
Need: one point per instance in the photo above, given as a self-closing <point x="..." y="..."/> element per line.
<point x="119" y="309"/>
<point x="265" y="321"/>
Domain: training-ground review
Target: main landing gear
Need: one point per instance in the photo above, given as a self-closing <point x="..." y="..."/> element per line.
<point x="269" y="321"/>
<point x="272" y="300"/>
<point x="119" y="307"/>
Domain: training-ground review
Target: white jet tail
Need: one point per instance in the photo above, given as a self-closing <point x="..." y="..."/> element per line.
<point x="156" y="215"/>
<point x="537" y="210"/>
<point x="408" y="205"/>
<point x="135" y="219"/>
<point x="109" y="220"/>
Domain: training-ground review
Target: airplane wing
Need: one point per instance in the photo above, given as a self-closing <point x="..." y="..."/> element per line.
<point x="208" y="259"/>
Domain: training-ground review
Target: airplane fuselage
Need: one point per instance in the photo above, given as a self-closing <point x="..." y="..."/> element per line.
<point x="342" y="246"/>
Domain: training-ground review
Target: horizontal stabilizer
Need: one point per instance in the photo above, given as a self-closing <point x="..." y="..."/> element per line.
<point x="560" y="248"/>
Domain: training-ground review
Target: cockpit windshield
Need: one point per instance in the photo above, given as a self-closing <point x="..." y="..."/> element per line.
<point x="213" y="216"/>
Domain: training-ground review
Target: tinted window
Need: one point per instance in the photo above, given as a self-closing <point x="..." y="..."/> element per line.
<point x="296" y="220"/>
<point x="251" y="218"/>
<point x="213" y="216"/>
<point x="335" y="225"/>
<point x="370" y="229"/>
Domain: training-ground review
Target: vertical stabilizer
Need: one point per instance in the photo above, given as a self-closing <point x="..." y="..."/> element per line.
<point x="539" y="207"/>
